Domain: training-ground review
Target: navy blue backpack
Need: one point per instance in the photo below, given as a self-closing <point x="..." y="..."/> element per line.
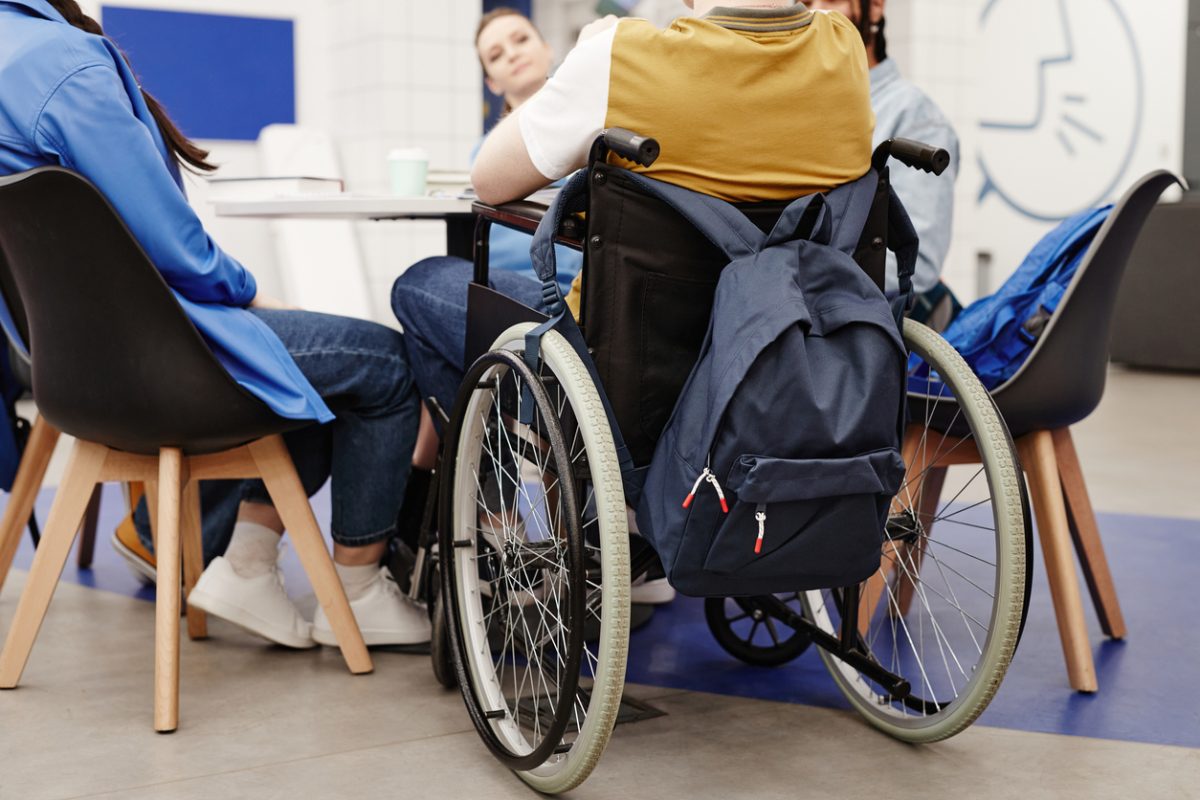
<point x="996" y="333"/>
<point x="779" y="462"/>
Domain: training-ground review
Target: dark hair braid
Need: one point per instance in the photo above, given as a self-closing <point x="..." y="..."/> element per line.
<point x="874" y="38"/>
<point x="178" y="145"/>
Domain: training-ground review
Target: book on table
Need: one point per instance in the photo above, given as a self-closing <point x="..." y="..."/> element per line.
<point x="260" y="188"/>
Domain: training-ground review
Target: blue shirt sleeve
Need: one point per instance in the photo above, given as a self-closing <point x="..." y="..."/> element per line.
<point x="88" y="125"/>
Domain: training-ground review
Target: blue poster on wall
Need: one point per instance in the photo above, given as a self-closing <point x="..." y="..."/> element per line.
<point x="220" y="77"/>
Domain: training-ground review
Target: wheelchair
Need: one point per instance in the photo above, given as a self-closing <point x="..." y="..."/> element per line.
<point x="536" y="557"/>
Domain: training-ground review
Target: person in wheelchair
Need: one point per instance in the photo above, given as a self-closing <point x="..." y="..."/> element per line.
<point x="791" y="92"/>
<point x="708" y="271"/>
<point x="903" y="110"/>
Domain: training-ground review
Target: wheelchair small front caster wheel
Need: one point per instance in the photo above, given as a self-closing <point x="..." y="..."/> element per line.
<point x="747" y="631"/>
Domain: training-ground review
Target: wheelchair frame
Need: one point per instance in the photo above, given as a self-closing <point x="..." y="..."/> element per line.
<point x="847" y="645"/>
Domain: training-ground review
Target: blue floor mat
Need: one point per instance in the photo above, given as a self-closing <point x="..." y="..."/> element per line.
<point x="1147" y="683"/>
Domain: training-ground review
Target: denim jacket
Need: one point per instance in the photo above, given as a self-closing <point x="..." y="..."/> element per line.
<point x="901" y="109"/>
<point x="68" y="98"/>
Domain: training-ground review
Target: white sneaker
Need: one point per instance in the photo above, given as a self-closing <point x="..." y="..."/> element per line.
<point x="653" y="592"/>
<point x="258" y="604"/>
<point x="385" y="615"/>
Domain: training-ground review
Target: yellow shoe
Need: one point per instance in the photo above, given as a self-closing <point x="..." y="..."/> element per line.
<point x="126" y="542"/>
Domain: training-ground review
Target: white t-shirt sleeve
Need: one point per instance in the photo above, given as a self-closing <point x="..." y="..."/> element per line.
<point x="560" y="122"/>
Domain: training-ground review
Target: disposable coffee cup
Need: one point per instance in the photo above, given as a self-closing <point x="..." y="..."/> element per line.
<point x="408" y="167"/>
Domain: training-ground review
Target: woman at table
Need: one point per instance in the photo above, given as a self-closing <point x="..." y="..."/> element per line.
<point x="516" y="62"/>
<point x="69" y="98"/>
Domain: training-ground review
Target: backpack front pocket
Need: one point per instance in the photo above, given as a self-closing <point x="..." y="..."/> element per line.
<point x="805" y="523"/>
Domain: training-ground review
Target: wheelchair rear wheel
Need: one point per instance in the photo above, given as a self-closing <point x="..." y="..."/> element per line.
<point x="536" y="571"/>
<point x="946" y="608"/>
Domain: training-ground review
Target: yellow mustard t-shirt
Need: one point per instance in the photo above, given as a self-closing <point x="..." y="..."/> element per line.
<point x="747" y="104"/>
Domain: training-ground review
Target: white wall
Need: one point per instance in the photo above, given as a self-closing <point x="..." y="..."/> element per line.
<point x="405" y="73"/>
<point x="1111" y="113"/>
<point x="560" y="21"/>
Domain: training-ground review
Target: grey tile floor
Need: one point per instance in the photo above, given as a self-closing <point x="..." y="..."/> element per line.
<point x="261" y="722"/>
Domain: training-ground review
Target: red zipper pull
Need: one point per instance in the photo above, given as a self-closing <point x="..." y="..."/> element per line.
<point x="761" y="516"/>
<point x="692" y="494"/>
<point x="721" y="495"/>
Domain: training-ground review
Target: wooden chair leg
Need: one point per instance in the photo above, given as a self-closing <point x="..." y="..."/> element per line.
<point x="74" y="493"/>
<point x="193" y="557"/>
<point x="1086" y="535"/>
<point x="919" y="493"/>
<point x="87" y="531"/>
<point x="1037" y="457"/>
<point x="166" y="590"/>
<point x="30" y="473"/>
<point x="279" y="474"/>
<point x="874" y="588"/>
<point x="914" y="554"/>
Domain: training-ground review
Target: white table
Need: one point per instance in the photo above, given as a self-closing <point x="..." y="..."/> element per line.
<point x="456" y="212"/>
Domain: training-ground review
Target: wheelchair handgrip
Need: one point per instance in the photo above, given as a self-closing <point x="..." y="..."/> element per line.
<point x="914" y="154"/>
<point x="629" y="145"/>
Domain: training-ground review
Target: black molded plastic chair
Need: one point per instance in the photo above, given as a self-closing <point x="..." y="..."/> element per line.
<point x="35" y="454"/>
<point x="1061" y="383"/>
<point x="118" y="365"/>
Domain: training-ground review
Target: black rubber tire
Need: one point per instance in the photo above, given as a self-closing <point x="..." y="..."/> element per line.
<point x="741" y="647"/>
<point x="439" y="647"/>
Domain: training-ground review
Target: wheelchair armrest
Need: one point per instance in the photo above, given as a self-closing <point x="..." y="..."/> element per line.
<point x="525" y="215"/>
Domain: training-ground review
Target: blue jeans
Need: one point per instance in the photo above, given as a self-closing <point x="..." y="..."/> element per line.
<point x="360" y="370"/>
<point x="430" y="301"/>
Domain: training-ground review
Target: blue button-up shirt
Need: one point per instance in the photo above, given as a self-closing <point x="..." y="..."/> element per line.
<point x="903" y="110"/>
<point x="68" y="98"/>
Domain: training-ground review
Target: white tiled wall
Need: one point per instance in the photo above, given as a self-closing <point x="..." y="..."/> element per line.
<point x="404" y="73"/>
<point x="932" y="41"/>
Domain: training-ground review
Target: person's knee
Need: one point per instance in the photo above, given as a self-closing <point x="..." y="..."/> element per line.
<point x="431" y="282"/>
<point x="393" y="375"/>
<point x="413" y="282"/>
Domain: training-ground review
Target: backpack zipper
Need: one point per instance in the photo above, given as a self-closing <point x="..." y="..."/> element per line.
<point x="760" y="515"/>
<point x="707" y="475"/>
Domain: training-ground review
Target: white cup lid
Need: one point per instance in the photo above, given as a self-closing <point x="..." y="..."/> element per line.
<point x="408" y="154"/>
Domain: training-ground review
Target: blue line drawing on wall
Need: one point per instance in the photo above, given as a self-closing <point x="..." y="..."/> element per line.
<point x="1043" y="65"/>
<point x="1066" y="120"/>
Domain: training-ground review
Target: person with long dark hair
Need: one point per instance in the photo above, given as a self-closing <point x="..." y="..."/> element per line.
<point x="903" y="110"/>
<point x="68" y="97"/>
